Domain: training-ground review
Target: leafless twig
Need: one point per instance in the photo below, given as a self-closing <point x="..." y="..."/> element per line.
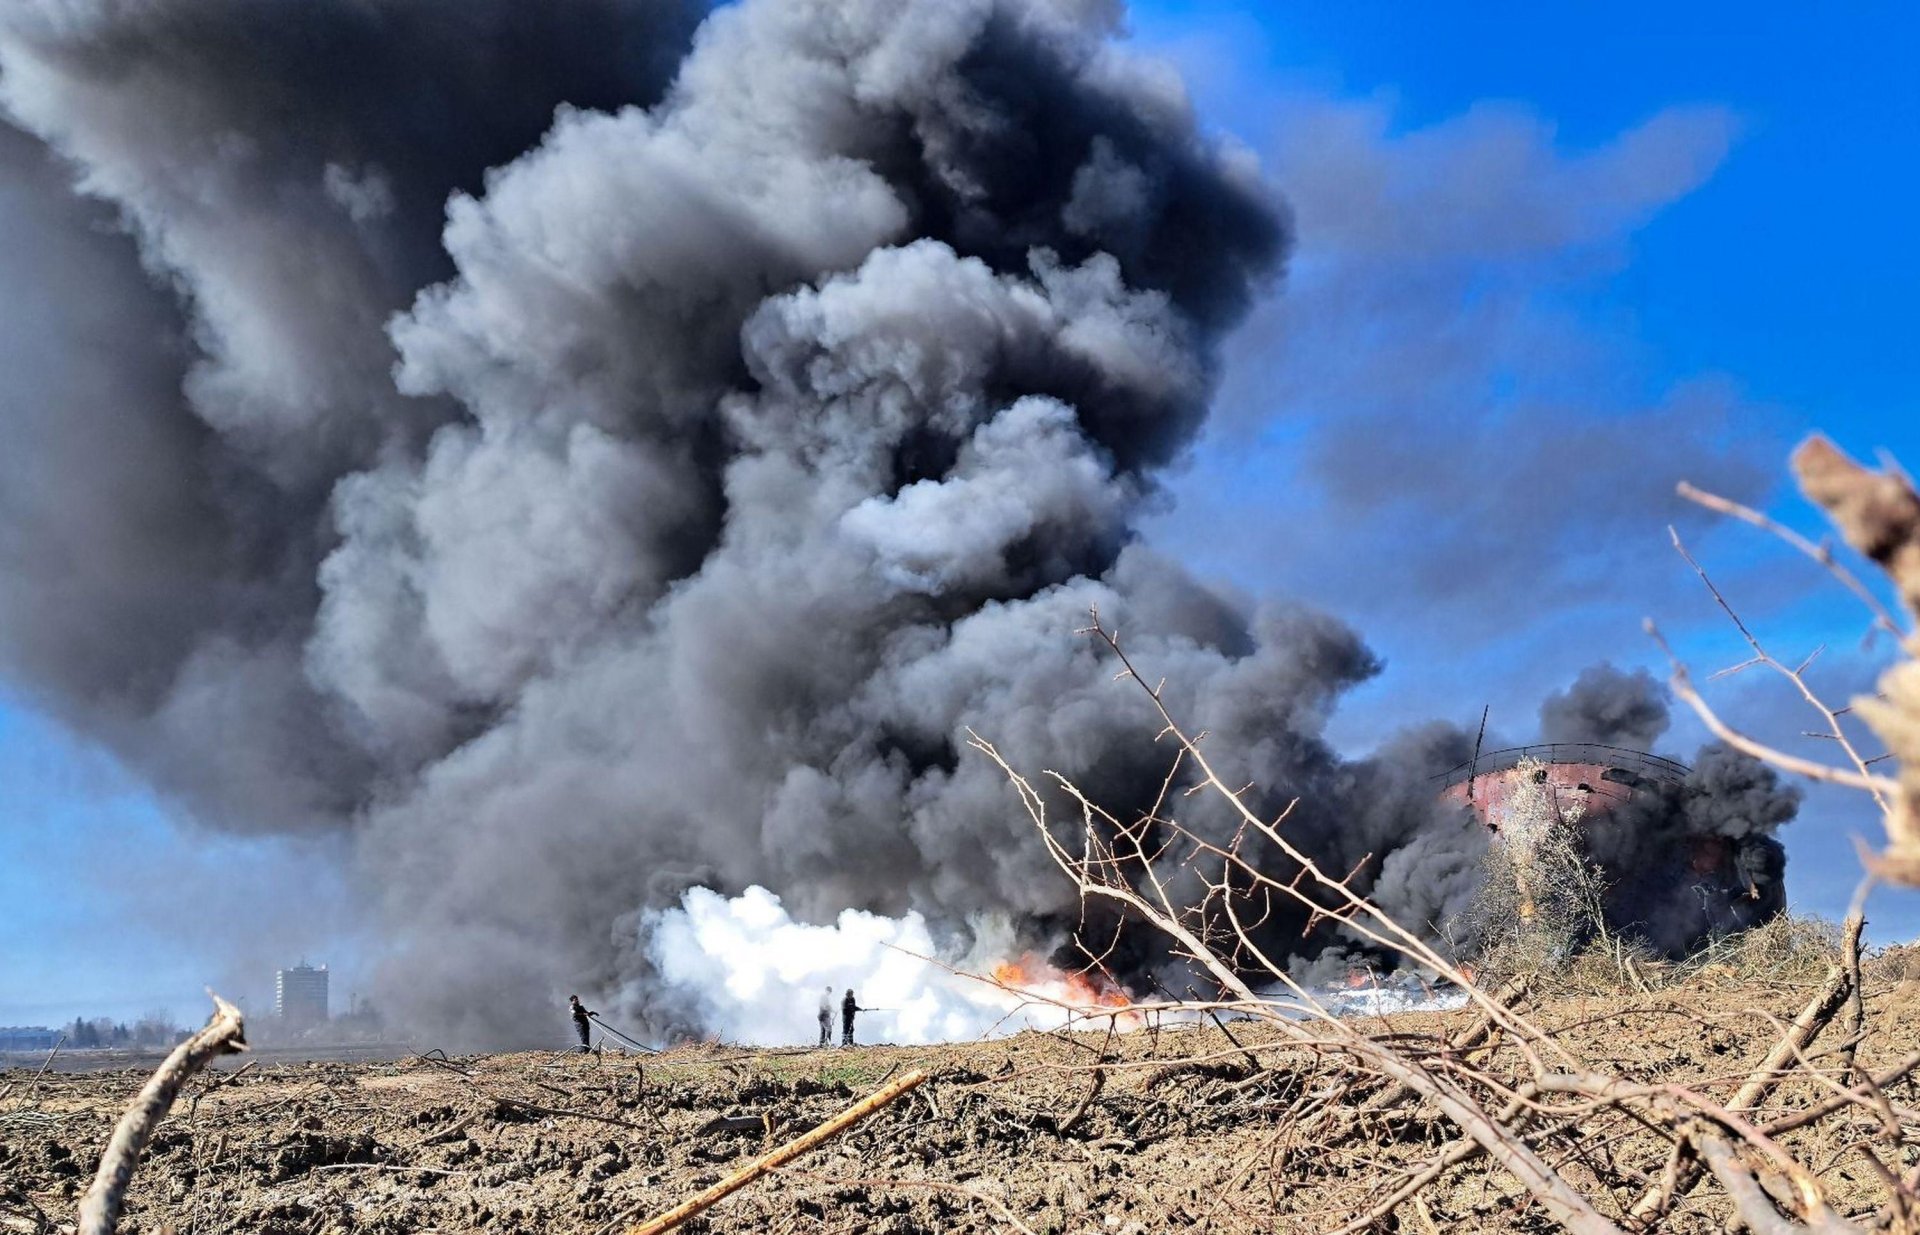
<point x="223" y="1034"/>
<point x="1878" y="513"/>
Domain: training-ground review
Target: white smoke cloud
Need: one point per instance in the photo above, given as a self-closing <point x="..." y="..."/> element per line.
<point x="757" y="975"/>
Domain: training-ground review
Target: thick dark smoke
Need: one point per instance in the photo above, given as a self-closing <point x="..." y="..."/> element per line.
<point x="176" y="433"/>
<point x="585" y="457"/>
<point x="1607" y="706"/>
<point x="1689" y="861"/>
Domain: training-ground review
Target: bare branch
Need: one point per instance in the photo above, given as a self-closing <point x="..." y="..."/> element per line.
<point x="776" y="1158"/>
<point x="1794" y="675"/>
<point x="223" y="1034"/>
<point x="1683" y="688"/>
<point x="1822" y="554"/>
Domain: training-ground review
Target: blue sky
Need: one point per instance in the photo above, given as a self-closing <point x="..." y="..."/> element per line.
<point x="1793" y="268"/>
<point x="1601" y="236"/>
<point x="114" y="907"/>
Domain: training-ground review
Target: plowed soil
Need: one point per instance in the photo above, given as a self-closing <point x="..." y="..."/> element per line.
<point x="1181" y="1133"/>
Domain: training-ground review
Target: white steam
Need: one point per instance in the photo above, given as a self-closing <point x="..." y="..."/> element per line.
<point x="757" y="975"/>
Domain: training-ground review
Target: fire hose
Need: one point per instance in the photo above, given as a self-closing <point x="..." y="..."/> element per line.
<point x="651" y="1050"/>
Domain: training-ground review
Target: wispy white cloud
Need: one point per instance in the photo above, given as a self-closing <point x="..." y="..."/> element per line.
<point x="1446" y="417"/>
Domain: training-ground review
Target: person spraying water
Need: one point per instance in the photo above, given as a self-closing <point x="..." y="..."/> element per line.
<point x="849" y="1006"/>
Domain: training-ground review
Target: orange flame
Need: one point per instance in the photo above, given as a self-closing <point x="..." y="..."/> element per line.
<point x="1087" y="989"/>
<point x="1011" y="973"/>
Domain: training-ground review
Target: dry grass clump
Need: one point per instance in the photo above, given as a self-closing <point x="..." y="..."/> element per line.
<point x="1898" y="963"/>
<point x="1612" y="965"/>
<point x="1536" y="917"/>
<point x="1792" y="948"/>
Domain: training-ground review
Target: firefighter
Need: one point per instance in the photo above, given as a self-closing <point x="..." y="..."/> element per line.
<point x="826" y="1015"/>
<point x="848" y="1007"/>
<point x="581" y="1024"/>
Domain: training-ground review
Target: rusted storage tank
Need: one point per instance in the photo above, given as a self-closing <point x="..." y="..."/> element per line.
<point x="1672" y="885"/>
<point x="1588" y="774"/>
<point x="1599" y="780"/>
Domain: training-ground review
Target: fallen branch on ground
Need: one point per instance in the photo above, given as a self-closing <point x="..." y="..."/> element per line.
<point x="768" y="1162"/>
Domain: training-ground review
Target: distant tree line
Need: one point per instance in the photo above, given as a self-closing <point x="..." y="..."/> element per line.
<point x="153" y="1029"/>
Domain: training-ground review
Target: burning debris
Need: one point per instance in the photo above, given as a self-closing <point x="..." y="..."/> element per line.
<point x="1074" y="992"/>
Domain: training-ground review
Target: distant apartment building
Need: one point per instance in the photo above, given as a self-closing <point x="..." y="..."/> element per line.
<point x="27" y="1038"/>
<point x="300" y="994"/>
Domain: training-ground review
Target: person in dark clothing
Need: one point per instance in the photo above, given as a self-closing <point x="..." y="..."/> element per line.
<point x="581" y="1023"/>
<point x="826" y="1016"/>
<point x="847" y="1008"/>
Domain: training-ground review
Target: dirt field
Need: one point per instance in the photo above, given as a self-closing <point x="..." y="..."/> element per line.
<point x="1003" y="1138"/>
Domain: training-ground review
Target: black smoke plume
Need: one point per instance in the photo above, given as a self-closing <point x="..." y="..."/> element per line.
<point x="1690" y="860"/>
<point x="590" y="449"/>
<point x="1607" y="706"/>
